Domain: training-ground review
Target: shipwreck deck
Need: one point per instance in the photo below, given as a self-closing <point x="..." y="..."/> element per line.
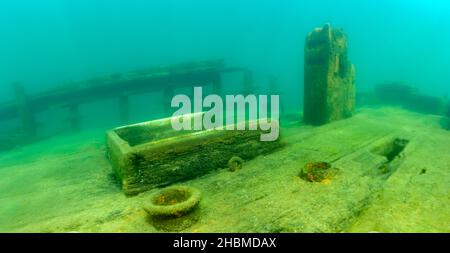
<point x="64" y="184"/>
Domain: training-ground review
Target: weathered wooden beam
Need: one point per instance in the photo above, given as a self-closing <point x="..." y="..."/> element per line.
<point x="138" y="82"/>
<point x="329" y="85"/>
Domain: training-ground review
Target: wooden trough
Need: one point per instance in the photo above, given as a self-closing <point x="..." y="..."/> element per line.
<point x="152" y="154"/>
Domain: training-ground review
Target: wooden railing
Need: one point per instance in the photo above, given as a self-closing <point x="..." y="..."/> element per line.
<point x="120" y="86"/>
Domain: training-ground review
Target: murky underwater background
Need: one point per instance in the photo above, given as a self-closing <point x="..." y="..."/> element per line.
<point x="50" y="43"/>
<point x="46" y="44"/>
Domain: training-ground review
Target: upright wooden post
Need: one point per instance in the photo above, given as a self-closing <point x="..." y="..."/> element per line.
<point x="25" y="111"/>
<point x="329" y="85"/>
<point x="124" y="108"/>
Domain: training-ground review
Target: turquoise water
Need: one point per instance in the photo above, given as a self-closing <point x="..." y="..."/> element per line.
<point x="47" y="43"/>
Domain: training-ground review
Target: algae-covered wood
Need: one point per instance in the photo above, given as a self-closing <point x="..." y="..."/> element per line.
<point x="329" y="80"/>
<point x="152" y="154"/>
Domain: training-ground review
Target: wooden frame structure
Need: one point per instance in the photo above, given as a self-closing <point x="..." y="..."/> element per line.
<point x="120" y="86"/>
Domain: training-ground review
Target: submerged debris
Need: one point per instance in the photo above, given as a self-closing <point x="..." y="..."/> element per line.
<point x="235" y="163"/>
<point x="393" y="92"/>
<point x="405" y="96"/>
<point x="174" y="208"/>
<point x="152" y="154"/>
<point x="329" y="77"/>
<point x="174" y="201"/>
<point x="393" y="151"/>
<point x="317" y="172"/>
<point x="394" y="148"/>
